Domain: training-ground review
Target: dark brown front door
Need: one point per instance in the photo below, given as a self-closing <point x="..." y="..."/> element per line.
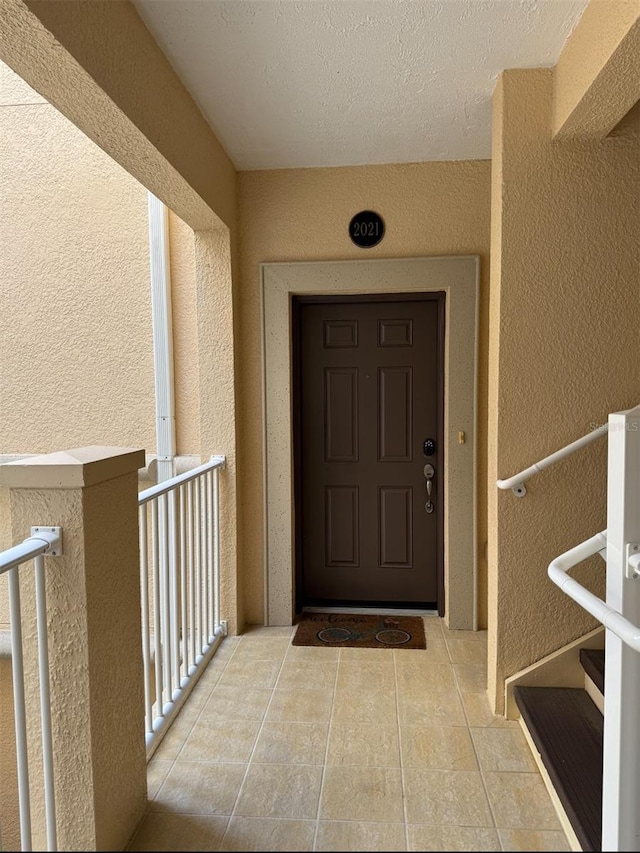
<point x="370" y="394"/>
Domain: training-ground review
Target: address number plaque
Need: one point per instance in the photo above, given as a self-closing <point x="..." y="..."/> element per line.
<point x="366" y="229"/>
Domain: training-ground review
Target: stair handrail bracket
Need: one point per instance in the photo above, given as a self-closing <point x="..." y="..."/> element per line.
<point x="46" y="541"/>
<point x="517" y="482"/>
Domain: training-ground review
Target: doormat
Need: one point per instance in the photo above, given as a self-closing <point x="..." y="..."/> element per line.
<point x="366" y="631"/>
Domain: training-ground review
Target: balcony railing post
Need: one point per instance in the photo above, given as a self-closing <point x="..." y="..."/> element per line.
<point x="95" y="654"/>
<point x="621" y="772"/>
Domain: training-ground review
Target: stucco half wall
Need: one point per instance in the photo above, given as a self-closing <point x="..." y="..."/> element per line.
<point x="459" y="279"/>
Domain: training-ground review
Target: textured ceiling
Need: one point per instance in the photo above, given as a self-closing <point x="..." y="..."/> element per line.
<point x="350" y="82"/>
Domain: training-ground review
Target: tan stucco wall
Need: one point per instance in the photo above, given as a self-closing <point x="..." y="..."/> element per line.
<point x="8" y="768"/>
<point x="302" y="215"/>
<point x="82" y="55"/>
<point x="597" y="77"/>
<point x="93" y="595"/>
<point x="185" y="336"/>
<point x="76" y="342"/>
<point x="216" y="326"/>
<point x="565" y="301"/>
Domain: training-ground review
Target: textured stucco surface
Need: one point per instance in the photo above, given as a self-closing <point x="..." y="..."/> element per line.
<point x="185" y="337"/>
<point x="217" y="425"/>
<point x="97" y="694"/>
<point x="82" y="56"/>
<point x="303" y="215"/>
<point x="317" y="77"/>
<point x="8" y="770"/>
<point x="565" y="299"/>
<point x="597" y="76"/>
<point x="76" y="342"/>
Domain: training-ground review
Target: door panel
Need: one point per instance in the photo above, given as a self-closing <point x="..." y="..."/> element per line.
<point x="370" y="389"/>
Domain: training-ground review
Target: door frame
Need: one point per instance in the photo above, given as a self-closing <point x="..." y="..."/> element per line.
<point x="458" y="277"/>
<point x="299" y="300"/>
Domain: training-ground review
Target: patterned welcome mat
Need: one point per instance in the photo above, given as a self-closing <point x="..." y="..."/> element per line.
<point x="366" y="631"/>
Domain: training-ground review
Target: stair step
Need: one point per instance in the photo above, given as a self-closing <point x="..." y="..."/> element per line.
<point x="592" y="661"/>
<point x="567" y="730"/>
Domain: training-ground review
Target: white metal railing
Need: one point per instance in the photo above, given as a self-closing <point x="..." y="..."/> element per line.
<point x="608" y="616"/>
<point x="179" y="523"/>
<point x="620" y="614"/>
<point x="44" y="541"/>
<point x="517" y="482"/>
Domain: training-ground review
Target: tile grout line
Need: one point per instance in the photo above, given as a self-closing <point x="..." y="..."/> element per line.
<point x="148" y="810"/>
<point x="402" y="785"/>
<point x="195" y="721"/>
<point x="473" y="746"/>
<point x="326" y="751"/>
<point x="246" y="773"/>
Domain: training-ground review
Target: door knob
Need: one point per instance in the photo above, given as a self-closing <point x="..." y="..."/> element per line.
<point x="429" y="473"/>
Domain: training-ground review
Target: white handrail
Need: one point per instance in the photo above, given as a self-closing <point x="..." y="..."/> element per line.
<point x="610" y="618"/>
<point x="167" y="485"/>
<point x="517" y="481"/>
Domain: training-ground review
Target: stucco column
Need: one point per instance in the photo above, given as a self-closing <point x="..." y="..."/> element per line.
<point x="214" y="310"/>
<point x="93" y="611"/>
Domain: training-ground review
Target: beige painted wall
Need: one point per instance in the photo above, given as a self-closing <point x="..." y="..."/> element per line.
<point x="302" y="215"/>
<point x="596" y="77"/>
<point x="82" y="56"/>
<point x="76" y="339"/>
<point x="565" y="301"/>
<point x="76" y="345"/>
<point x="185" y="336"/>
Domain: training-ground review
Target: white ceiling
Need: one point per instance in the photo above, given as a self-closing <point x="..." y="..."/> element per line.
<point x="351" y="82"/>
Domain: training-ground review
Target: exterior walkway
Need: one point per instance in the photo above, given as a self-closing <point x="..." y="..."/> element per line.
<point x="291" y="748"/>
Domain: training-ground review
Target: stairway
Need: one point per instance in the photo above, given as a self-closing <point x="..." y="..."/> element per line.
<point x="566" y="725"/>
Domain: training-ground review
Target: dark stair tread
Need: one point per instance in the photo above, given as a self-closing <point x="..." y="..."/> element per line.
<point x="567" y="728"/>
<point x="592" y="661"/>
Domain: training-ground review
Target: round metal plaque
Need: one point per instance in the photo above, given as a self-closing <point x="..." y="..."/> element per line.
<point x="366" y="229"/>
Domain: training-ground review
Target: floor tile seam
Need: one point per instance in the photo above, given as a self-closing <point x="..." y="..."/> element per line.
<point x="483" y="772"/>
<point x="198" y="715"/>
<point x="402" y="782"/>
<point x="475" y="752"/>
<point x="326" y="753"/>
<point x="472" y="729"/>
<point x="249" y="761"/>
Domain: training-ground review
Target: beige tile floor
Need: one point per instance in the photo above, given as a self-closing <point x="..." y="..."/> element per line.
<point x="283" y="747"/>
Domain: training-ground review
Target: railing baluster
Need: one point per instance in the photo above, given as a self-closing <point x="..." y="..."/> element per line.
<point x="204" y="560"/>
<point x="198" y="568"/>
<point x="156" y="605"/>
<point x="164" y="598"/>
<point x="144" y="607"/>
<point x="17" y="666"/>
<point x="183" y="585"/>
<point x="185" y="576"/>
<point x="216" y="548"/>
<point x="192" y="608"/>
<point x="210" y="571"/>
<point x="175" y="610"/>
<point x="45" y="702"/>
